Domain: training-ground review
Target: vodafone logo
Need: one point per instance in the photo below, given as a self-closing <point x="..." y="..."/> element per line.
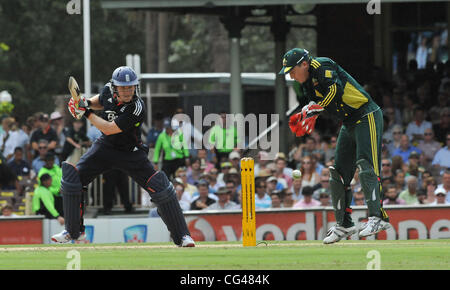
<point x="413" y="223"/>
<point x="200" y="229"/>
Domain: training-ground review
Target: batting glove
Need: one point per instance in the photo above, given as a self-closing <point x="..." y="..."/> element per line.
<point x="80" y="109"/>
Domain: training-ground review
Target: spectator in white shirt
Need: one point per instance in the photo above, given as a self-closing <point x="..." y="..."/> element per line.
<point x="422" y="53"/>
<point x="445" y="185"/>
<point x="442" y="158"/>
<point x="429" y="147"/>
<point x="223" y="202"/>
<point x="416" y="128"/>
<point x="296" y="189"/>
<point x="394" y="143"/>
<point x="12" y="137"/>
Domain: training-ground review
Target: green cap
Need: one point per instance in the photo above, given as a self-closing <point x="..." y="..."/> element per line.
<point x="292" y="58"/>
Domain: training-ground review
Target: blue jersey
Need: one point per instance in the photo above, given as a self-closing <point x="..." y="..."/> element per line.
<point x="127" y="116"/>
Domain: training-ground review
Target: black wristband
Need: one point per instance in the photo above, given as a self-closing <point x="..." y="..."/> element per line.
<point x="87" y="113"/>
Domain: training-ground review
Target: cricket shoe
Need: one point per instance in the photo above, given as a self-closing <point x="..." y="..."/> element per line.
<point x="373" y="226"/>
<point x="64" y="237"/>
<point x="187" y="242"/>
<point x="337" y="233"/>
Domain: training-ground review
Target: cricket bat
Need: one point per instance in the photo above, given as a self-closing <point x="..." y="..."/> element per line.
<point x="74" y="90"/>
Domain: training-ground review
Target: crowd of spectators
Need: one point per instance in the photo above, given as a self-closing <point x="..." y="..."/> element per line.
<point x="30" y="159"/>
<point x="415" y="166"/>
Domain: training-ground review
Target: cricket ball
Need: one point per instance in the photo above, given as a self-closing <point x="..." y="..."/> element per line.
<point x="296" y="174"/>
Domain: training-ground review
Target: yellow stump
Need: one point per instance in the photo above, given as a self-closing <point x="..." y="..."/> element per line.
<point x="248" y="202"/>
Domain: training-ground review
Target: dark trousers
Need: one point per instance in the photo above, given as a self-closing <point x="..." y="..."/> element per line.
<point x="358" y="141"/>
<point x="101" y="158"/>
<point x="59" y="204"/>
<point x="115" y="178"/>
<point x="170" y="166"/>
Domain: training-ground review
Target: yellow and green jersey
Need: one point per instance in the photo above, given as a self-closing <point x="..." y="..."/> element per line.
<point x="330" y="86"/>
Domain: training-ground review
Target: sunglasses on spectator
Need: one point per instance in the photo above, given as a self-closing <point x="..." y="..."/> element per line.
<point x="359" y="199"/>
<point x="440" y="194"/>
<point x="323" y="196"/>
<point x="385" y="164"/>
<point x="42" y="147"/>
<point x="428" y="134"/>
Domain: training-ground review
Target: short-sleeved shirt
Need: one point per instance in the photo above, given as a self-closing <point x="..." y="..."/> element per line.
<point x="264" y="202"/>
<point x="127" y="116"/>
<point x="303" y="204"/>
<point x="407" y="197"/>
<point x="405" y="154"/>
<point x="49" y="134"/>
<point x="15" y="139"/>
<point x="442" y="157"/>
<point x="21" y="168"/>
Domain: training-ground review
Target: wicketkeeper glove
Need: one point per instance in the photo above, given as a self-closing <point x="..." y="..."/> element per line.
<point x="312" y="109"/>
<point x="80" y="109"/>
<point x="304" y="122"/>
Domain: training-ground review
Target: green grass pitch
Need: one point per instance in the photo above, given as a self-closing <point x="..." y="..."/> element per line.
<point x="268" y="255"/>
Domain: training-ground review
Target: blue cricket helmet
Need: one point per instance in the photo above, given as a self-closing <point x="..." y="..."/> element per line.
<point x="124" y="76"/>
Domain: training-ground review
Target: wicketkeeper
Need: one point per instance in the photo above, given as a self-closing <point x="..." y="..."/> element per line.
<point x="329" y="87"/>
<point x="120" y="147"/>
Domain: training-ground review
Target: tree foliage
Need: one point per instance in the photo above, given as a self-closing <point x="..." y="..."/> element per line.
<point x="46" y="47"/>
<point x="41" y="45"/>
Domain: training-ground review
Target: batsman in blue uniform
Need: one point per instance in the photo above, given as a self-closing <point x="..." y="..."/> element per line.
<point x="119" y="147"/>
